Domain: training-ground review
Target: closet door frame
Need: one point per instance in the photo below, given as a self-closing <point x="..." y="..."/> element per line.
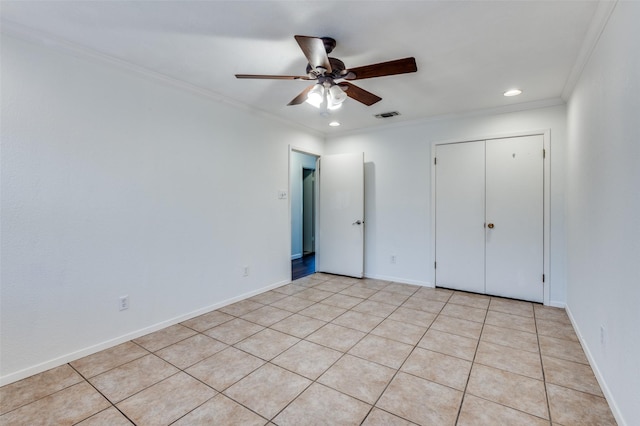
<point x="546" y="134"/>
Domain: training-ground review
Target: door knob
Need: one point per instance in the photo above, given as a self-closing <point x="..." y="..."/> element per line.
<point x="491" y="225"/>
<point x="358" y="222"/>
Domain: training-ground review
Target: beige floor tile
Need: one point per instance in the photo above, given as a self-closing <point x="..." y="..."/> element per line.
<point x="221" y="410"/>
<point x="413" y="316"/>
<point x="333" y="286"/>
<point x="268" y="390"/>
<point x="457" y="326"/>
<point x="449" y="344"/>
<point x="471" y="300"/>
<point x="242" y="307"/>
<point x="399" y="331"/>
<point x="267" y="343"/>
<point x="66" y="407"/>
<point x="167" y="401"/>
<point x="551" y="314"/>
<point x="233" y="331"/>
<point x="381" y="350"/>
<point x="320" y="406"/>
<point x="373" y="284"/>
<point x="423" y="304"/>
<point x="389" y="297"/>
<point x="307" y="359"/>
<point x="225" y="368"/>
<point x="571" y="375"/>
<point x="314" y="294"/>
<point x="323" y="312"/>
<point x="191" y="350"/>
<point x="561" y="348"/>
<point x="510" y="389"/>
<point x="509" y="359"/>
<point x="436" y="367"/>
<point x="574" y="408"/>
<point x="107" y="359"/>
<point x="477" y="411"/>
<point x="406" y="289"/>
<point x="358" y="321"/>
<point x="268" y="297"/>
<point x="371" y="307"/>
<point x="290" y="289"/>
<point x="464" y="312"/>
<point x="336" y="337"/>
<point x="510" y="306"/>
<point x="358" y="378"/>
<point x="293" y="303"/>
<point x="109" y="417"/>
<point x="421" y="401"/>
<point x="342" y="301"/>
<point x="267" y="315"/>
<point x="124" y="381"/>
<point x="556" y="329"/>
<point x="298" y="325"/>
<point x="35" y="387"/>
<point x="165" y="337"/>
<point x="207" y="321"/>
<point x="516" y="322"/>
<point x="377" y="417"/>
<point x="359" y="291"/>
<point x="439" y="294"/>
<point x="511" y="338"/>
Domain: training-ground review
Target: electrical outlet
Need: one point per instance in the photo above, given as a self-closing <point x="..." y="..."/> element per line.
<point x="393" y="258"/>
<point x="123" y="302"/>
<point x="245" y="271"/>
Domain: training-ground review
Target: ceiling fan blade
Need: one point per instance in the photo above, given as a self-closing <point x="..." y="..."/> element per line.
<point x="399" y="66"/>
<point x="313" y="48"/>
<point x="275" y="77"/>
<point x="301" y="97"/>
<point x="359" y="94"/>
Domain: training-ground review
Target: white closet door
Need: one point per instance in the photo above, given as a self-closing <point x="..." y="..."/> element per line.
<point x="515" y="217"/>
<point x="460" y="235"/>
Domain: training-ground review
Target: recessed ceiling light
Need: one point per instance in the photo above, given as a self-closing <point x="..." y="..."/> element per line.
<point x="334" y="124"/>
<point x="513" y="92"/>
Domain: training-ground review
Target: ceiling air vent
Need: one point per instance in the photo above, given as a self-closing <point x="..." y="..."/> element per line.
<point x="387" y="114"/>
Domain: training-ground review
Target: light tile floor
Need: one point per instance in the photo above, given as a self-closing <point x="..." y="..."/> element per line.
<point x="330" y="350"/>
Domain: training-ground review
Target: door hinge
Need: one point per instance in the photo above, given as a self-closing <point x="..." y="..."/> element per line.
<point x="435" y="160"/>
<point x="435" y="264"/>
<point x="542" y="277"/>
<point x="544" y="153"/>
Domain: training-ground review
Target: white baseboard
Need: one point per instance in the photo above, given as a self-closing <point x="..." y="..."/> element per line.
<point x="615" y="410"/>
<point x="556" y="304"/>
<point x="72" y="356"/>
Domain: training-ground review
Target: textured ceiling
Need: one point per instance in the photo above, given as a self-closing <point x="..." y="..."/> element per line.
<point x="468" y="52"/>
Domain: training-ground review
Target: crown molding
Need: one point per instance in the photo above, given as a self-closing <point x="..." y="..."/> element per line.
<point x="596" y="27"/>
<point x="481" y="112"/>
<point x="24" y="33"/>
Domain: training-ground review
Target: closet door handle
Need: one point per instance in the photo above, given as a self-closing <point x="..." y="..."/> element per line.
<point x="490" y="226"/>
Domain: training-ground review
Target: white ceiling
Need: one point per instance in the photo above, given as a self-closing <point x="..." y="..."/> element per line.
<point x="468" y="52"/>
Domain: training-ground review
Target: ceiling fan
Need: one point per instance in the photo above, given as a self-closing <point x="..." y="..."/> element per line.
<point x="328" y="71"/>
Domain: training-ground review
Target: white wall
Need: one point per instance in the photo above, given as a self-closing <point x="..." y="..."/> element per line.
<point x="398" y="187"/>
<point x="603" y="210"/>
<point x="114" y="184"/>
<point x="297" y="162"/>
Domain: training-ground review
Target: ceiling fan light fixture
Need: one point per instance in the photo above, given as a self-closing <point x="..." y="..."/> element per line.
<point x="315" y="96"/>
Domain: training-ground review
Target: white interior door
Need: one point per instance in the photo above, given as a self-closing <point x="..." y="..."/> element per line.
<point x="515" y="217"/>
<point x="340" y="231"/>
<point x="460" y="216"/>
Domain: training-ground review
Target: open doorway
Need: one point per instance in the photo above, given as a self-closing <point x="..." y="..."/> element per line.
<point x="303" y="214"/>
